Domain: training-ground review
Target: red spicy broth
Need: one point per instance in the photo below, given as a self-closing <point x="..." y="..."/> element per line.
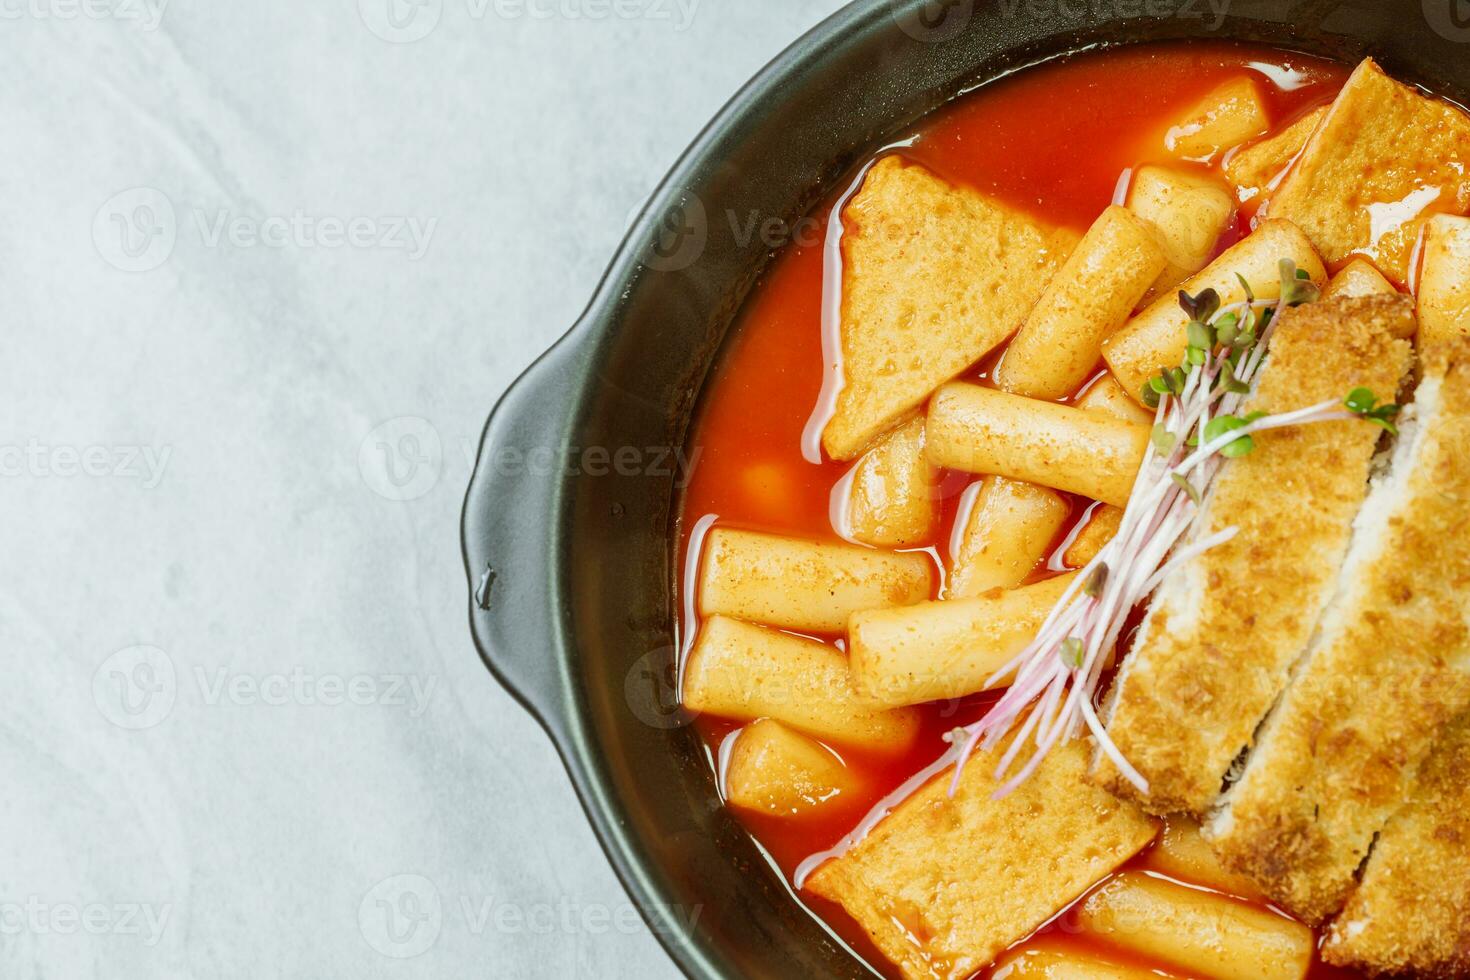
<point x="1054" y="140"/>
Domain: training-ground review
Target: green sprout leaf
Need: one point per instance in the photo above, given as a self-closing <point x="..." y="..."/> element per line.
<point x="1181" y="481"/>
<point x="1150" y="395"/>
<point x="1360" y="400"/>
<point x="1071" y="652"/>
<point x="1200" y="336"/>
<point x="1304" y="292"/>
<point x="1226" y="329"/>
<point x="1201" y="307"/>
<point x="1164" y="440"/>
<point x="1245" y="336"/>
<point x="1218" y="427"/>
<point x="1250" y="294"/>
<point x="1097" y="580"/>
<point x="1243" y="446"/>
<point x="1296" y="285"/>
<point x="1363" y="403"/>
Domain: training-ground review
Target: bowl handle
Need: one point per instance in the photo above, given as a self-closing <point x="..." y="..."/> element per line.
<point x="507" y="533"/>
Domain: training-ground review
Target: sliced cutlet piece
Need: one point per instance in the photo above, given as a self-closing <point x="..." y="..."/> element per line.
<point x="944" y="885"/>
<point x="1388" y="668"/>
<point x="1221" y="635"/>
<point x="1411" y="914"/>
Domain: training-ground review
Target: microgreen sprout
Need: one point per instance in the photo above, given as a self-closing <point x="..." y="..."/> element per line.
<point x="1364" y="404"/>
<point x="1202" y="307"/>
<point x="1250" y="295"/>
<point x="1296" y="285"/>
<point x="1221" y="424"/>
<point x="1183" y="483"/>
<point x="1198" y="424"/>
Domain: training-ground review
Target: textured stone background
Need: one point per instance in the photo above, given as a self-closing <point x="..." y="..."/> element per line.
<point x="266" y="267"/>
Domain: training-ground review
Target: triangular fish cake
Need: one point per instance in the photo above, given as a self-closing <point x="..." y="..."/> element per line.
<point x="934" y="278"/>
<point x="1383" y="159"/>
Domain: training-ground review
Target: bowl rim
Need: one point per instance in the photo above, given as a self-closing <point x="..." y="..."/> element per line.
<point x="593" y="789"/>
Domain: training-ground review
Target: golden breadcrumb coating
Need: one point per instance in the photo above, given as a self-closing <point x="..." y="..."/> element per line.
<point x="1388" y="669"/>
<point x="1411" y="915"/>
<point x="1221" y="635"/>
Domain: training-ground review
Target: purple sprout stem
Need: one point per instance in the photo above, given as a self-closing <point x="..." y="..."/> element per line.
<point x="1158" y="515"/>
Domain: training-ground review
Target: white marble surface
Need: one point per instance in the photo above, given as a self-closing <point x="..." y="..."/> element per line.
<point x="243" y="709"/>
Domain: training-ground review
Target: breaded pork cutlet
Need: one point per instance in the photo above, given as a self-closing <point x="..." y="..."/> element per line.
<point x="1215" y="649"/>
<point x="1388" y="668"/>
<point x="1411" y="914"/>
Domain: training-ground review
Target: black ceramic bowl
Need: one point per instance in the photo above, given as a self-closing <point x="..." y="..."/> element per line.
<point x="569" y="524"/>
